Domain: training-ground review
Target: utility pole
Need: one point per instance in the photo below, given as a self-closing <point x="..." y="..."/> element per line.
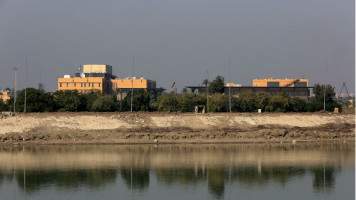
<point x="15" y="87"/>
<point x="326" y="68"/>
<point x="207" y="92"/>
<point x="229" y="86"/>
<point x="133" y="71"/>
<point x="24" y="109"/>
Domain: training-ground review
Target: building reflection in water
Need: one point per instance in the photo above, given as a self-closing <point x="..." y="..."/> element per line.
<point x="217" y="167"/>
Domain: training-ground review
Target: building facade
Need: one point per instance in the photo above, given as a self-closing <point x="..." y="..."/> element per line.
<point x="296" y="88"/>
<point x="100" y="78"/>
<point x="272" y="82"/>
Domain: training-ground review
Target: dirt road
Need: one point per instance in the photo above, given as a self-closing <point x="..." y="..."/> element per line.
<point x="89" y="128"/>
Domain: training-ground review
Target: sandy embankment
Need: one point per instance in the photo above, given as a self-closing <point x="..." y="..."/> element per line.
<point x="175" y="128"/>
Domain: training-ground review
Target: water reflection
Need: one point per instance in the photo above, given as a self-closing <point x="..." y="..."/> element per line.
<point x="215" y="167"/>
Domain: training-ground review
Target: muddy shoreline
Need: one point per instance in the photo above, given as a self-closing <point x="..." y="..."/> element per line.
<point x="177" y="128"/>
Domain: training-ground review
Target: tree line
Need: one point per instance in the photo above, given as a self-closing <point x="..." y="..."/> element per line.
<point x="73" y="101"/>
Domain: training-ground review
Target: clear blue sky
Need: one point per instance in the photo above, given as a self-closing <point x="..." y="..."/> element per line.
<point x="179" y="40"/>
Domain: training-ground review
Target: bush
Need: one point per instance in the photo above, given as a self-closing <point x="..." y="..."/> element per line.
<point x="36" y="101"/>
<point x="67" y="100"/>
<point x="140" y="101"/>
<point x="297" y="105"/>
<point x="168" y="102"/>
<point x="278" y="103"/>
<point x="218" y="103"/>
<point x="247" y="102"/>
<point x="87" y="100"/>
<point x="3" y="106"/>
<point x="188" y="101"/>
<point x="103" y="104"/>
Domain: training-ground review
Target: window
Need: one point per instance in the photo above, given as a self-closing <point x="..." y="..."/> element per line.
<point x="81" y="84"/>
<point x="89" y="84"/>
<point x="99" y="84"/>
<point x="272" y="84"/>
<point x="75" y="85"/>
<point x="67" y="84"/>
<point x="92" y="85"/>
<point x="85" y="84"/>
<point x="300" y="84"/>
<point x="60" y="85"/>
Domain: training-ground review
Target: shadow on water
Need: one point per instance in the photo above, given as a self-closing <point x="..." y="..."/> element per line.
<point x="213" y="166"/>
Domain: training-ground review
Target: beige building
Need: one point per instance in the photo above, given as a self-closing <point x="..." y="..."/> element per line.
<point x="100" y="78"/>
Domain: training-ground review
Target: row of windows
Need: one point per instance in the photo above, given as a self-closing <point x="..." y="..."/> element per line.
<point x="81" y="84"/>
<point x="277" y="92"/>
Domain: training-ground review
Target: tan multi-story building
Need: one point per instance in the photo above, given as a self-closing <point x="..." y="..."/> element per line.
<point x="99" y="78"/>
<point x="4" y="95"/>
<point x="272" y="82"/>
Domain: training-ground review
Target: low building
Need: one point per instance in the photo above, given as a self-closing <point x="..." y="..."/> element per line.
<point x="296" y="88"/>
<point x="4" y="95"/>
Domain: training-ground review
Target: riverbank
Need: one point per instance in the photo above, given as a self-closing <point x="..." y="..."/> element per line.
<point x="132" y="128"/>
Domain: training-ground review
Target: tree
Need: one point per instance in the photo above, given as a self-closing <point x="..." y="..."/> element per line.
<point x="278" y="103"/>
<point x="219" y="103"/>
<point x="67" y="100"/>
<point x="206" y="82"/>
<point x="247" y="102"/>
<point x="262" y="99"/>
<point x="297" y="105"/>
<point x="217" y="85"/>
<point x="168" y="102"/>
<point x="3" y="106"/>
<point x="319" y="90"/>
<point x="36" y="101"/>
<point x="87" y="100"/>
<point x="140" y="101"/>
<point x="103" y="104"/>
<point x="187" y="101"/>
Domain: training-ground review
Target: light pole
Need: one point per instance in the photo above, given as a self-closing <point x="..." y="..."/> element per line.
<point x="133" y="70"/>
<point x="207" y="92"/>
<point x="326" y="68"/>
<point x="229" y="86"/>
<point x="15" y="87"/>
<point x="24" y="108"/>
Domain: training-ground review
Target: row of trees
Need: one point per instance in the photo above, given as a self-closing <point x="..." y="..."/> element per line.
<point x="246" y="102"/>
<point x="72" y="101"/>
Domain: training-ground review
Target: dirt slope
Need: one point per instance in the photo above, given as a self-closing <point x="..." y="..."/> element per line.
<point x="175" y="128"/>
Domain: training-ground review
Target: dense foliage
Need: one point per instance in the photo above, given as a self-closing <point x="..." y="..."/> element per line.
<point x="72" y="101"/>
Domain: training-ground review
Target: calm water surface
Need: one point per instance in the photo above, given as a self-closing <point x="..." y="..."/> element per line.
<point x="239" y="171"/>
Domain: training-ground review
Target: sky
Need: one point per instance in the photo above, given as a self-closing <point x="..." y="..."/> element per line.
<point x="181" y="41"/>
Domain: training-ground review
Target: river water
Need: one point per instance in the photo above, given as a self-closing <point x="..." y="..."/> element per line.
<point x="223" y="171"/>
